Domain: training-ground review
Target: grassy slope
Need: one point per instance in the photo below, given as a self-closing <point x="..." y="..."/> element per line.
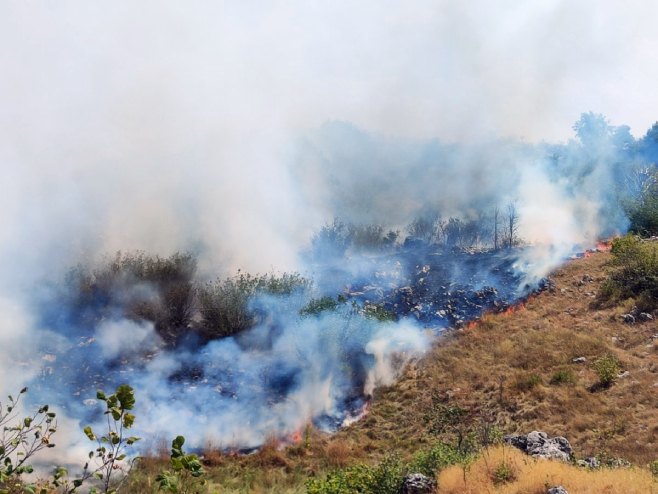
<point x="478" y="366"/>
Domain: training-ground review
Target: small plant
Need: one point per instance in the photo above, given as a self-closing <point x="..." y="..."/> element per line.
<point x="653" y="468"/>
<point x="503" y="473"/>
<point x="384" y="478"/>
<point x="108" y="464"/>
<point x="186" y="474"/>
<point x="563" y="377"/>
<point x="526" y="383"/>
<point x="20" y="440"/>
<point x="607" y="368"/>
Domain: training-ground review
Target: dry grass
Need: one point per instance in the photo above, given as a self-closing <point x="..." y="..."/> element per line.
<point x="490" y="370"/>
<point x="535" y="476"/>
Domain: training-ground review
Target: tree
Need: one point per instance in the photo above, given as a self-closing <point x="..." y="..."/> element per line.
<point x="511" y="235"/>
<point x="593" y="130"/>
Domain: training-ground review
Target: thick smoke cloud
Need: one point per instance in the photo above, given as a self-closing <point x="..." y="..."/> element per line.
<point x="202" y="127"/>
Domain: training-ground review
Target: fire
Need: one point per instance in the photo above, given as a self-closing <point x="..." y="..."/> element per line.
<point x="296" y="437"/>
<point x="514" y="308"/>
<point x="604" y="245"/>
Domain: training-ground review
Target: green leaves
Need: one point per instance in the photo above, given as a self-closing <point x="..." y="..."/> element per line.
<point x="187" y="470"/>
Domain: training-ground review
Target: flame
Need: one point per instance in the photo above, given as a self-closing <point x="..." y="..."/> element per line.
<point x="296" y="437"/>
<point x="604" y="245"/>
<point x="514" y="308"/>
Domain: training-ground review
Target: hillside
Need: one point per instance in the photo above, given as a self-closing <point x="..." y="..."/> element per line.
<point x="515" y="370"/>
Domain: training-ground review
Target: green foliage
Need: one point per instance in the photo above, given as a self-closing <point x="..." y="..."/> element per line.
<point x="526" y="383"/>
<point x="186" y="474"/>
<point x="108" y="464"/>
<point x="643" y="211"/>
<point x="384" y="478"/>
<point x="379" y="313"/>
<point x="634" y="274"/>
<point x="224" y="304"/>
<point x="317" y="306"/>
<point x="21" y="437"/>
<point x="564" y="376"/>
<point x="429" y="462"/>
<point x="653" y="468"/>
<point x="388" y="475"/>
<point x="503" y="473"/>
<point x="607" y="368"/>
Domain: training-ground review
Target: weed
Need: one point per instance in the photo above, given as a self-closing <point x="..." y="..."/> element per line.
<point x="526" y="383"/>
<point x="607" y="369"/>
<point x="563" y="376"/>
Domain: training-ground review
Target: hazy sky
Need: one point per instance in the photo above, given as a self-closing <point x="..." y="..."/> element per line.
<point x="140" y="123"/>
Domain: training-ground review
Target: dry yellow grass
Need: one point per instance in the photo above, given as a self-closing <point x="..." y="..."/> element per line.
<point x="535" y="476"/>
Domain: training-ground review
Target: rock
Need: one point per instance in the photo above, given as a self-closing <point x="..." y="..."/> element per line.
<point x="539" y="445"/>
<point x="628" y="318"/>
<point x="590" y="462"/>
<point x="417" y="483"/>
<point x="579" y="360"/>
<point x="558" y="489"/>
<point x="645" y="316"/>
<point x="623" y="375"/>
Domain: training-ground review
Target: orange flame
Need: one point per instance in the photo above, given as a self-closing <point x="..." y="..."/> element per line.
<point x="296" y="437"/>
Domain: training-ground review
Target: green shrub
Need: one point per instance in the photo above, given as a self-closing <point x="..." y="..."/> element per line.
<point x="563" y="377"/>
<point x="433" y="460"/>
<point x="607" y="368"/>
<point x="224" y="304"/>
<point x="653" y="468"/>
<point x="503" y="473"/>
<point x="317" y="306"/>
<point x="383" y="478"/>
<point x="643" y="212"/>
<point x="526" y="383"/>
<point x="634" y="273"/>
<point x="137" y="286"/>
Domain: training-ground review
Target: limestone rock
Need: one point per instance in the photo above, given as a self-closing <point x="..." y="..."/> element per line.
<point x="417" y="483"/>
<point x="539" y="445"/>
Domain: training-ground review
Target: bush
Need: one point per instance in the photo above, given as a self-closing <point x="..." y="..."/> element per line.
<point x="503" y="473"/>
<point x="563" y="377"/>
<point x="526" y="383"/>
<point x="643" y="212"/>
<point x="224" y="304"/>
<point x="634" y="274"/>
<point x="317" y="306"/>
<point x="139" y="287"/>
<point x="384" y="478"/>
<point x="438" y="457"/>
<point x="607" y="368"/>
<point x="653" y="468"/>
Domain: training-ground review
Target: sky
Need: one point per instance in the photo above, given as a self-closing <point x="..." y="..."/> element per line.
<point x="138" y="124"/>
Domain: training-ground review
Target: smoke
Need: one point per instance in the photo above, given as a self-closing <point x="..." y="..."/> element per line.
<point x="235" y="130"/>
